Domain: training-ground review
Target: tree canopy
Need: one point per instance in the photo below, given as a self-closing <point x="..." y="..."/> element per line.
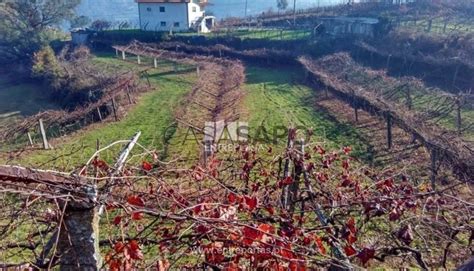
<point x="282" y="4"/>
<point x="26" y="25"/>
<point x="80" y="21"/>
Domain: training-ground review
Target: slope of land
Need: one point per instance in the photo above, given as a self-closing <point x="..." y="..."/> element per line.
<point x="152" y="115"/>
<point x="19" y="99"/>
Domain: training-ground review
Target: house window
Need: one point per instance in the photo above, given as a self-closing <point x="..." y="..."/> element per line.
<point x="176" y="24"/>
<point x="148" y="9"/>
<point x="163" y="23"/>
<point x="194" y="9"/>
<point x="162" y="9"/>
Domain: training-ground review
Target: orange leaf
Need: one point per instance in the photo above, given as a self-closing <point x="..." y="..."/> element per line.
<point x="288" y="180"/>
<point x="351" y="238"/>
<point x="285" y="250"/>
<point x="114" y="265"/>
<point x="118" y="247"/>
<point x="320" y="245"/>
<point x="266" y="228"/>
<point x="232" y="267"/>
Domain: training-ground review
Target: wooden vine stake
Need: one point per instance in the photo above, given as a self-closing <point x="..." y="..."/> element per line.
<point x="434" y="170"/>
<point x="43" y="135"/>
<point x="409" y="99"/>
<point x="455" y="76"/>
<point x="128" y="95"/>
<point x="30" y="139"/>
<point x="356" y="112"/>
<point x="286" y="193"/>
<point x="114" y="109"/>
<point x="458" y="115"/>
<point x="388" y="62"/>
<point x="99" y="114"/>
<point x="356" y="107"/>
<point x="294" y="186"/>
<point x="77" y="239"/>
<point x="389" y="131"/>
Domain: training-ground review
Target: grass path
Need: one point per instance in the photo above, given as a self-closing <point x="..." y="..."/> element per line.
<point x="275" y="98"/>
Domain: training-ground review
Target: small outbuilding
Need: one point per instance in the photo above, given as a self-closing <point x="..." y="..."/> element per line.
<point x="79" y="36"/>
<point x="362" y="26"/>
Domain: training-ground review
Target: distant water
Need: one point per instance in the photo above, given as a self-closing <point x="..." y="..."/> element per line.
<point x="236" y="8"/>
<point x="127" y="10"/>
<point x="115" y="11"/>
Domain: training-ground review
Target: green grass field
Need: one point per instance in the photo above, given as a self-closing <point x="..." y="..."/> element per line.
<point x="266" y="34"/>
<point x="438" y="26"/>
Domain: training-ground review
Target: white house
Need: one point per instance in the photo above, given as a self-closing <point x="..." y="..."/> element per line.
<point x="174" y="15"/>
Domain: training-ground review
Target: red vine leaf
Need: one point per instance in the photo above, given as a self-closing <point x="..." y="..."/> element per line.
<point x="297" y="266"/>
<point x="135" y="200"/>
<point x="251" y="235"/>
<point x="232" y="198"/>
<point x="366" y="254"/>
<point x="349" y="250"/>
<point x="251" y="202"/>
<point x="351" y="225"/>
<point x="117" y="220"/>
<point x="147" y="166"/>
<point x="134" y="250"/>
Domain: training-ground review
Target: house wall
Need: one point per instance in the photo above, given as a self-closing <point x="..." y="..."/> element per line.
<point x="340" y="27"/>
<point x="151" y="17"/>
<point x="194" y="15"/>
